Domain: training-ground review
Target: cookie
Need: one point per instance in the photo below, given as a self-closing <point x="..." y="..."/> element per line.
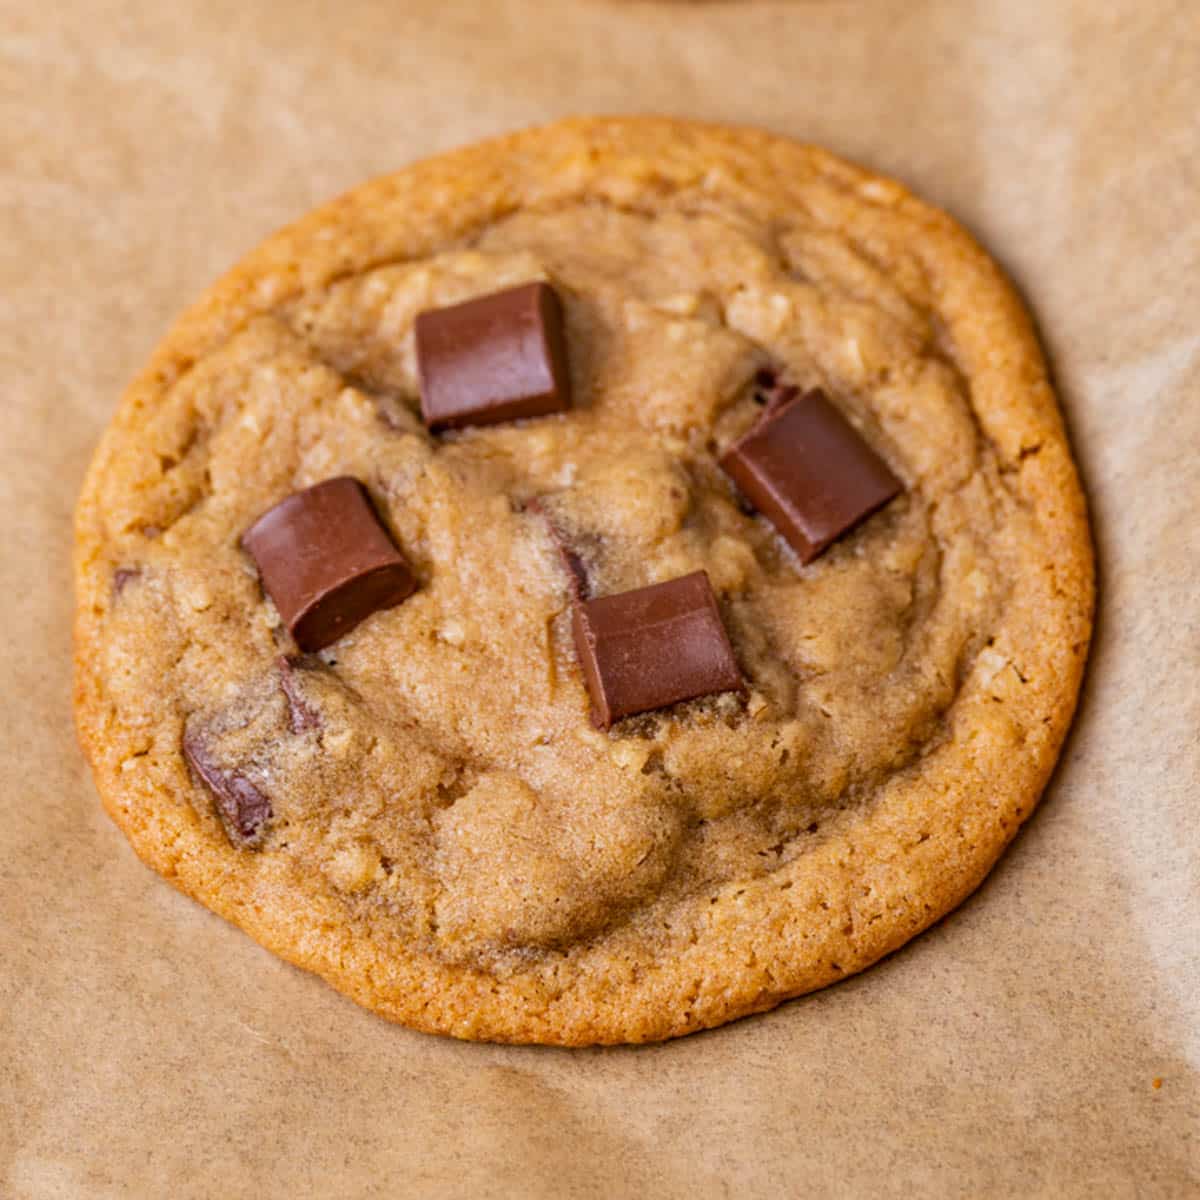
<point x="588" y="586"/>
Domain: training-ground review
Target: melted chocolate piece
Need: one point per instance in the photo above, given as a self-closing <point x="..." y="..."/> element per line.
<point x="807" y="470"/>
<point x="243" y="809"/>
<point x="495" y="358"/>
<point x="652" y="647"/>
<point x="301" y="715"/>
<point x="572" y="561"/>
<point x="771" y="391"/>
<point x="327" y="561"/>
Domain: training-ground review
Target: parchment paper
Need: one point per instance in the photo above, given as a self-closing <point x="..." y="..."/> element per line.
<point x="147" y="1049"/>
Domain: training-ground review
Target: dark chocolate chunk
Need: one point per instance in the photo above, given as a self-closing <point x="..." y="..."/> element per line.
<point x="301" y="715"/>
<point x="652" y="647"/>
<point x="569" y="556"/>
<point x="327" y="561"/>
<point x="806" y="469"/>
<point x="495" y="358"/>
<point x="243" y="809"/>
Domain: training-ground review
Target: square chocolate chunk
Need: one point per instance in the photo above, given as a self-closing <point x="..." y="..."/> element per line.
<point x="652" y="647"/>
<point x="492" y="359"/>
<point x="327" y="561"/>
<point x="807" y="470"/>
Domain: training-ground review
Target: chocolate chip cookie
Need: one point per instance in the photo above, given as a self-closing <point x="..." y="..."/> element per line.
<point x="588" y="586"/>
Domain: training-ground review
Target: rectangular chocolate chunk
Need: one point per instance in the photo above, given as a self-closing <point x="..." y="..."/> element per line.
<point x="243" y="809"/>
<point x="327" y="561"/>
<point x="652" y="647"/>
<point x="495" y="358"/>
<point x="807" y="470"/>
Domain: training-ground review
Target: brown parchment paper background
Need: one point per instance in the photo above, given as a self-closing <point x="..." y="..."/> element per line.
<point x="147" y="1049"/>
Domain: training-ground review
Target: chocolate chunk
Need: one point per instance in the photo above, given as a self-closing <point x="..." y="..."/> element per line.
<point x="652" y="647"/>
<point x="571" y="559"/>
<point x="806" y="469"/>
<point x="493" y="359"/>
<point x="122" y="577"/>
<point x="327" y="561"/>
<point x="243" y="809"/>
<point x="301" y="715"/>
